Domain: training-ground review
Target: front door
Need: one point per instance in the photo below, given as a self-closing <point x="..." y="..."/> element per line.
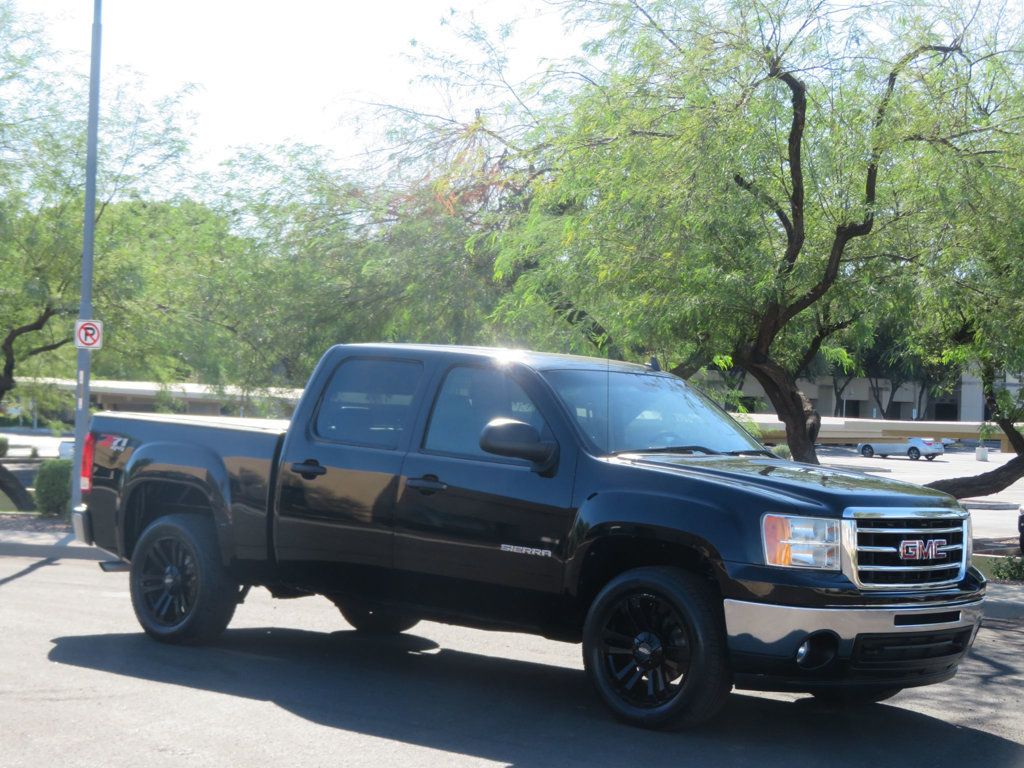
<point x="474" y="529"/>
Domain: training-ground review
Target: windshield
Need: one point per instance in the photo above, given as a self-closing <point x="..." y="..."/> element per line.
<point x="623" y="412"/>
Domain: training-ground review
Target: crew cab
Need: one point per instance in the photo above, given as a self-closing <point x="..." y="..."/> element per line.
<point x="585" y="500"/>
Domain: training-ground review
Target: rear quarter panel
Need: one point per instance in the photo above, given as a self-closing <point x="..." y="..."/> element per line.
<point x="232" y="466"/>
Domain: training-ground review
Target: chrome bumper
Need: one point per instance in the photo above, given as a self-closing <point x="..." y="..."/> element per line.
<point x="778" y="630"/>
<point x="81" y="524"/>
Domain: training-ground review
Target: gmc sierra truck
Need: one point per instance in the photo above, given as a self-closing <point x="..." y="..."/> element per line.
<point x="597" y="502"/>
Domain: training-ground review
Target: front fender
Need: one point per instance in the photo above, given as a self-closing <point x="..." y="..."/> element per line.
<point x="191" y="465"/>
<point x="715" y="534"/>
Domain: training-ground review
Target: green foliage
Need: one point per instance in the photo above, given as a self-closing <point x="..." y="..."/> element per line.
<point x="782" y="451"/>
<point x="53" y="487"/>
<point x="1009" y="568"/>
<point x="4" y="446"/>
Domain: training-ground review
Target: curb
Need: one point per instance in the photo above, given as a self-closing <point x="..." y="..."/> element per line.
<point x="39" y="544"/>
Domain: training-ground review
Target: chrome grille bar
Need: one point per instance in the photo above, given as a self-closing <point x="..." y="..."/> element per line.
<point x="882" y="544"/>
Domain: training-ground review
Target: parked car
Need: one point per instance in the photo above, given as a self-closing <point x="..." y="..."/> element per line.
<point x="913" y="448"/>
<point x="587" y="500"/>
<point x="66" y="449"/>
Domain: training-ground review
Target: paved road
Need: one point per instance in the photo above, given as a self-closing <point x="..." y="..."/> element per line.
<point x="291" y="685"/>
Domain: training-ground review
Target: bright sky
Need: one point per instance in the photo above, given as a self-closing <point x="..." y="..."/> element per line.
<point x="270" y="72"/>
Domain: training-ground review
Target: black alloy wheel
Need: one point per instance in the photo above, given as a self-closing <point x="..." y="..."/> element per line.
<point x="169" y="581"/>
<point x="654" y="647"/>
<point x="180" y="589"/>
<point x="646" y="648"/>
<point x="914" y="453"/>
<point x="867" y="451"/>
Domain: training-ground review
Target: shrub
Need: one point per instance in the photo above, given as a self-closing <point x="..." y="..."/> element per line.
<point x="4" y="445"/>
<point x="53" y="487"/>
<point x="1010" y="568"/>
<point x="782" y="451"/>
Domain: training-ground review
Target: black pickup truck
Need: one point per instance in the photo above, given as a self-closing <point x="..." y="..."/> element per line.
<point x="580" y="499"/>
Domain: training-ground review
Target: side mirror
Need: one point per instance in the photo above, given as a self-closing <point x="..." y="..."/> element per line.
<point x="518" y="440"/>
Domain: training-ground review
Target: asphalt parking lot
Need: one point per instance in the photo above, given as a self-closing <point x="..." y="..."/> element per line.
<point x="291" y="685"/>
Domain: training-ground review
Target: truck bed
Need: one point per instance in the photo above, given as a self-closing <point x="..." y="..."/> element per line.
<point x="235" y="456"/>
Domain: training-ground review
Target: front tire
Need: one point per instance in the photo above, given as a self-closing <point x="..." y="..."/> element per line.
<point x="867" y="451"/>
<point x="914" y="454"/>
<point x="180" y="589"/>
<point x="654" y="647"/>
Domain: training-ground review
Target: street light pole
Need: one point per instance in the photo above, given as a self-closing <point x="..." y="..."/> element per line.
<point x="88" y="236"/>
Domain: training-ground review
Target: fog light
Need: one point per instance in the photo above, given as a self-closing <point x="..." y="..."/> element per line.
<point x="817" y="650"/>
<point x="802" y="651"/>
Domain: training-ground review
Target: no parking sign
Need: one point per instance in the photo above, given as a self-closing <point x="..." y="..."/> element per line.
<point x="89" y="334"/>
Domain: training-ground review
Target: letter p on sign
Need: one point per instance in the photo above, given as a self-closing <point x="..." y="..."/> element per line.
<point x="88" y="334"/>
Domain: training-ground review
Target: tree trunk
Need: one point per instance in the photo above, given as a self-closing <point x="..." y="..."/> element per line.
<point x="998" y="479"/>
<point x="15" y="491"/>
<point x="792" y="407"/>
<point x="983" y="485"/>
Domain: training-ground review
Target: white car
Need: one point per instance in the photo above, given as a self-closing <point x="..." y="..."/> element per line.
<point x="66" y="449"/>
<point x="913" y="448"/>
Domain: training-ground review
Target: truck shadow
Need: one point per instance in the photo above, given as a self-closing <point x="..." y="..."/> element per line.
<point x="407" y="689"/>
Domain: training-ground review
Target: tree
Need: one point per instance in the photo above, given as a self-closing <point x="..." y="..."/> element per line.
<point x="745" y="180"/>
<point x="41" y="188"/>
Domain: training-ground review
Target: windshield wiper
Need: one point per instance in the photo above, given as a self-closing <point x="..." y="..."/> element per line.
<point x="752" y="452"/>
<point x="673" y="449"/>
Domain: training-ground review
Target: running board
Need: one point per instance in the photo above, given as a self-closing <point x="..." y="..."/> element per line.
<point x="114" y="566"/>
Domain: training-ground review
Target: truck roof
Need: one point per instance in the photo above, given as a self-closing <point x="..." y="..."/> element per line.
<point x="540" y="361"/>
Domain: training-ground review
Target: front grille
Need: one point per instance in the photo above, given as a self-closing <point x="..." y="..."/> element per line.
<point x="934" y="551"/>
<point x="898" y="650"/>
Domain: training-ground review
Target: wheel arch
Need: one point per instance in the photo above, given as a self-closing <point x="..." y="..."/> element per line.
<point x="667" y="532"/>
<point x="170" y="478"/>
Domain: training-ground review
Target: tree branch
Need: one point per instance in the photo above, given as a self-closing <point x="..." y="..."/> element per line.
<point x="850" y="230"/>
<point x="765" y="198"/>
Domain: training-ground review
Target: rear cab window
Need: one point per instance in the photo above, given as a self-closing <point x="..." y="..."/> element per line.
<point x="369" y="401"/>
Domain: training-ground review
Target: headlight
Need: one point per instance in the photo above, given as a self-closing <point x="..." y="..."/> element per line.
<point x="801" y="542"/>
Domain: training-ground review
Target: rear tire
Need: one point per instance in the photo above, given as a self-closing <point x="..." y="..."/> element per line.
<point x="854" y="697"/>
<point x="914" y="454"/>
<point x="180" y="589"/>
<point x="376" y="621"/>
<point x="654" y="647"/>
<point x="867" y="451"/>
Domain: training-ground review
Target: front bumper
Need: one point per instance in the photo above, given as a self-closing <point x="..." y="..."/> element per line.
<point x="894" y="646"/>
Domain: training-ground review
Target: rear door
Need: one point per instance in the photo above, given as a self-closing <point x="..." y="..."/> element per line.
<point x="339" y="470"/>
<point x="475" y="531"/>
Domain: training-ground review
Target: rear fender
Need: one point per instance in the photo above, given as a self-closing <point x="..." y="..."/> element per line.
<point x="191" y="465"/>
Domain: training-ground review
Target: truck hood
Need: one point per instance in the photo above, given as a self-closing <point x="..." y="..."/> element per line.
<point x="832" y="488"/>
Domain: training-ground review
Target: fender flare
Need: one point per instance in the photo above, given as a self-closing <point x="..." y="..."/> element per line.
<point x="715" y="534"/>
<point x="184" y="464"/>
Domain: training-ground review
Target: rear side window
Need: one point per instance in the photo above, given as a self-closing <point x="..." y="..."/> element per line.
<point x="369" y="402"/>
<point x="468" y="400"/>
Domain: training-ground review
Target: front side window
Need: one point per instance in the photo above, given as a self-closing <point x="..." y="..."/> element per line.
<point x="369" y="402"/>
<point x="469" y="398"/>
<point x="622" y="412"/>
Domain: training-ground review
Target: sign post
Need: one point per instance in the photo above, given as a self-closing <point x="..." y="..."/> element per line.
<point x="88" y="332"/>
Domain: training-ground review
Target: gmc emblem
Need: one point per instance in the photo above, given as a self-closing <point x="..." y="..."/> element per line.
<point x="916" y="549"/>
